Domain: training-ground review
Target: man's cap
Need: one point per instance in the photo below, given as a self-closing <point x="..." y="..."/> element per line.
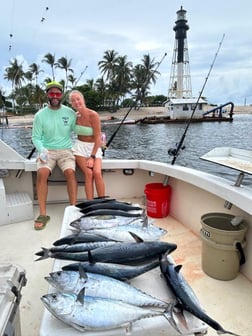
<point x="54" y="85"/>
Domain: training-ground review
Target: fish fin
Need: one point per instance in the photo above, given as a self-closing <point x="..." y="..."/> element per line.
<point x="136" y="237"/>
<point x="145" y="222"/>
<point x="46" y="254"/>
<point x="178" y="268"/>
<point x="81" y="295"/>
<point x="91" y="258"/>
<point x="82" y="273"/>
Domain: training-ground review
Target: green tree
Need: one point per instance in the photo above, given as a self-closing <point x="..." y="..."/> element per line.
<point x="107" y="64"/>
<point x="64" y="64"/>
<point x="50" y="59"/>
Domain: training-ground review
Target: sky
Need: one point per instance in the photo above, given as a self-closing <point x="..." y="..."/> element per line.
<point x="83" y="30"/>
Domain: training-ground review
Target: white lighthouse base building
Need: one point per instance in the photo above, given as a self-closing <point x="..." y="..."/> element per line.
<point x="184" y="107"/>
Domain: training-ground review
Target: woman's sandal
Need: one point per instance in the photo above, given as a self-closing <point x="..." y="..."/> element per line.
<point x="40" y="222"/>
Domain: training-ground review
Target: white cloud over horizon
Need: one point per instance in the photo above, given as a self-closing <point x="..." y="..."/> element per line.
<point x="83" y="31"/>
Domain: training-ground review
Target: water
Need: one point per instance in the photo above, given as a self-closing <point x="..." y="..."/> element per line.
<point x="152" y="142"/>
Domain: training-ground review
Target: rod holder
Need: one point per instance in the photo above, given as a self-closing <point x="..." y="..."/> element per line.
<point x="239" y="179"/>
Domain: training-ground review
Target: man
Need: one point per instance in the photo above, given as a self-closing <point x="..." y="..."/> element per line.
<point x="51" y="135"/>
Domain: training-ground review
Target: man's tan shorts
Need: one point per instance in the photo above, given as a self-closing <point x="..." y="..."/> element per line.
<point x="63" y="158"/>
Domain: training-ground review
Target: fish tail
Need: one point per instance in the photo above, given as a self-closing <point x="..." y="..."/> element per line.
<point x="169" y="316"/>
<point x="45" y="253"/>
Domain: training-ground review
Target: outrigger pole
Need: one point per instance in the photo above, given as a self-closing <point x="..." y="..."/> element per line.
<point x="175" y="151"/>
<point x="132" y="105"/>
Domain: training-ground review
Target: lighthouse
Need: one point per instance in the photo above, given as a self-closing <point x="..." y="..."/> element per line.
<point x="180" y="102"/>
<point x="180" y="78"/>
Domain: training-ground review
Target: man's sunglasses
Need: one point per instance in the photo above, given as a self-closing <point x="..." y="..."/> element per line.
<point x="54" y="94"/>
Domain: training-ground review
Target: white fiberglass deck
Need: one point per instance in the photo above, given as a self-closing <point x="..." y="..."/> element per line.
<point x="228" y="302"/>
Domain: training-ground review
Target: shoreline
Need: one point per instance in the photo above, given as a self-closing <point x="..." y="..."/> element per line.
<point x="134" y="114"/>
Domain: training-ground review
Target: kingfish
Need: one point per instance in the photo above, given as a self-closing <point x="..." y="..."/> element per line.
<point x="114" y="212"/>
<point x="80" y="237"/>
<point x="117" y="271"/>
<point x="102" y="286"/>
<point x="122" y="253"/>
<point x="96" y="313"/>
<point x="97" y="200"/>
<point x="185" y="295"/>
<point x="111" y="205"/>
<point x="81" y="247"/>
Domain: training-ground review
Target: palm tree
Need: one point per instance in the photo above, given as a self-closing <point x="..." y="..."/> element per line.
<point x="50" y="59"/>
<point x="64" y="64"/>
<point x="14" y="73"/>
<point x="143" y="75"/>
<point x="122" y="75"/>
<point x="72" y="80"/>
<point x="106" y="66"/>
<point x="150" y="66"/>
<point x="35" y="70"/>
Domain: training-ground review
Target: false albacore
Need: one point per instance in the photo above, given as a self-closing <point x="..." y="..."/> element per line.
<point x="122" y="252"/>
<point x="185" y="295"/>
<point x="92" y="313"/>
<point x="102" y="286"/>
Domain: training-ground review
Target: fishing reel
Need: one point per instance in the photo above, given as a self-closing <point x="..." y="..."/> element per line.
<point x="174" y="151"/>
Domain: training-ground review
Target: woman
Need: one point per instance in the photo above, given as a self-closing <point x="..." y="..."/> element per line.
<point x="87" y="148"/>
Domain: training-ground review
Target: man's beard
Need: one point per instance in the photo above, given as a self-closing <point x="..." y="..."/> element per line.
<point x="55" y="102"/>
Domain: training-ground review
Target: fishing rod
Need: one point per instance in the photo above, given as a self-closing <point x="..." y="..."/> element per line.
<point x="132" y="105"/>
<point x="175" y="151"/>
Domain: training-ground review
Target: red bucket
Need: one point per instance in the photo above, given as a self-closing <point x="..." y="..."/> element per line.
<point x="157" y="199"/>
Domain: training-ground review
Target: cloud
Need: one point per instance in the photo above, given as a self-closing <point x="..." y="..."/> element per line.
<point x="83" y="31"/>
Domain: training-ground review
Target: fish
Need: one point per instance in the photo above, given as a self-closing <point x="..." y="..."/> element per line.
<point x="185" y="296"/>
<point x="122" y="252"/>
<point x="81" y="247"/>
<point x="117" y="271"/>
<point x="121" y="232"/>
<point x="97" y="200"/>
<point x="87" y="313"/>
<point x="111" y="205"/>
<point x="114" y="212"/>
<point x="102" y="286"/>
<point x="80" y="237"/>
<point x="97" y="222"/>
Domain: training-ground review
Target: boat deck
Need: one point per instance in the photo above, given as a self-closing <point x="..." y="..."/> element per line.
<point x="228" y="302"/>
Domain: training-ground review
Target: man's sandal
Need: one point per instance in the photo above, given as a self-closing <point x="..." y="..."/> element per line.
<point x="40" y="222"/>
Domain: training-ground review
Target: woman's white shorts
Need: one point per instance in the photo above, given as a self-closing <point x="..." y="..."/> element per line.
<point x="84" y="149"/>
